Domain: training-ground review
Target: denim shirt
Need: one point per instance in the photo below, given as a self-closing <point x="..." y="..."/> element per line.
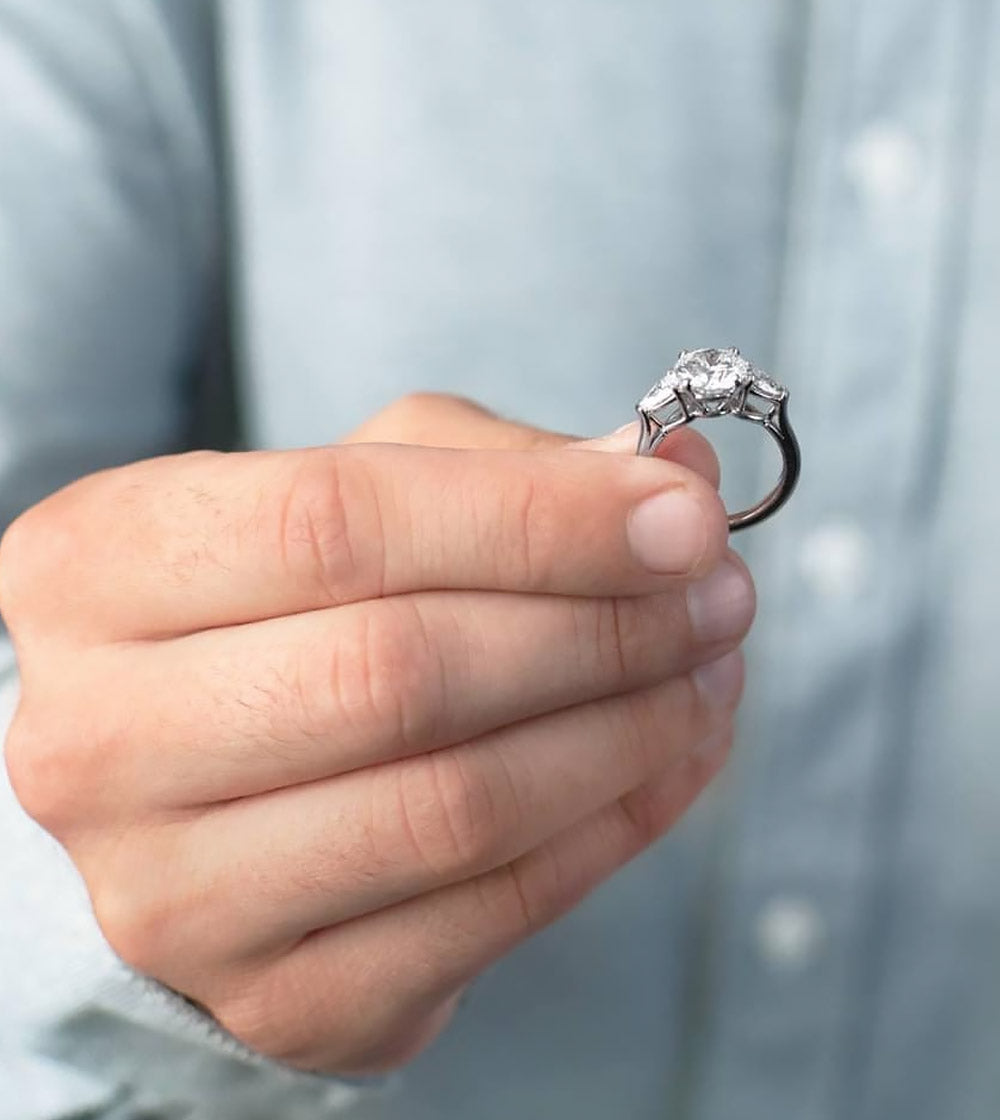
<point x="536" y="205"/>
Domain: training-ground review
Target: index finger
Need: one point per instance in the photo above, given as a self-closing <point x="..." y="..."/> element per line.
<point x="185" y="543"/>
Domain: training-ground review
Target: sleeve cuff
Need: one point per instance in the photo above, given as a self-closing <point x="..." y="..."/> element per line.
<point x="73" y="1002"/>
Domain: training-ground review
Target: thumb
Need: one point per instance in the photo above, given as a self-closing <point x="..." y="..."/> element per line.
<point x="685" y="446"/>
<point x="442" y="420"/>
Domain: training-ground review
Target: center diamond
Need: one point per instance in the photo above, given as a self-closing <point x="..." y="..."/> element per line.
<point x="711" y="375"/>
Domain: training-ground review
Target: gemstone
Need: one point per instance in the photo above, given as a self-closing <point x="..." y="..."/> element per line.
<point x="709" y="373"/>
<point x="661" y="393"/>
<point x="767" y="386"/>
<point x="713" y="373"/>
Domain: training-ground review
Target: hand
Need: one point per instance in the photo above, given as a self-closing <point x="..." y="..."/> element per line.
<point x="328" y="731"/>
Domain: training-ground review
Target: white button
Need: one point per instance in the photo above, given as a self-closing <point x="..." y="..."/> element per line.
<point x="884" y="163"/>
<point x="836" y="560"/>
<point x="789" y="933"/>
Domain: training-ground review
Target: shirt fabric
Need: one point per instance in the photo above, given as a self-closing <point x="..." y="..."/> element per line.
<point x="536" y="205"/>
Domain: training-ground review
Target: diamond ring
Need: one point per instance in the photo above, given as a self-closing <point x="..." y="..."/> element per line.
<point x="707" y="383"/>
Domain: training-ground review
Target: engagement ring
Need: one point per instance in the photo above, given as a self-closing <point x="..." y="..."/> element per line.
<point x="708" y="383"/>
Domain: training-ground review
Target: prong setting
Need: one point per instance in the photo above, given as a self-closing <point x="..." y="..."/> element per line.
<point x="713" y="382"/>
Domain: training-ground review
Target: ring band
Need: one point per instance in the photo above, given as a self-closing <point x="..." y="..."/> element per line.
<point x="720" y="382"/>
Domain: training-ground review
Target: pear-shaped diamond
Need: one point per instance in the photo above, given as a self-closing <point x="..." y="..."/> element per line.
<point x="662" y="393"/>
<point x="767" y="387"/>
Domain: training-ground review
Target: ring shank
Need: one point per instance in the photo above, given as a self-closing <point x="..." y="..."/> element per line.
<point x="791" y="465"/>
<point x="780" y="431"/>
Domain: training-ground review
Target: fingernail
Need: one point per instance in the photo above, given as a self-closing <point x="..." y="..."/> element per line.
<point x="721" y="682"/>
<point x="625" y="438"/>
<point x="668" y="532"/>
<point x="721" y="606"/>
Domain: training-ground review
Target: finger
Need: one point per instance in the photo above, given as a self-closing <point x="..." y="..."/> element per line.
<point x="190" y="542"/>
<point x="684" y="446"/>
<point x="355" y="844"/>
<point x="389" y="974"/>
<point x="690" y="449"/>
<point x="309" y="696"/>
<point x="442" y="420"/>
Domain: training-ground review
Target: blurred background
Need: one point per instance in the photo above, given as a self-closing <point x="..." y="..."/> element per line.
<point x="254" y="223"/>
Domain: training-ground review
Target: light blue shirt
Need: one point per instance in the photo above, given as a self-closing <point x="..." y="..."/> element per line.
<point x="537" y="204"/>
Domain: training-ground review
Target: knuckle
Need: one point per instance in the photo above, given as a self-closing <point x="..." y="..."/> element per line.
<point x="656" y="724"/>
<point x="512" y="534"/>
<point x="42" y="768"/>
<point x="15" y="547"/>
<point x="616" y="633"/>
<point x="663" y="725"/>
<point x="529" y="536"/>
<point x="33" y="547"/>
<point x="63" y="753"/>
<point x="452" y="820"/>
<point x="323" y="517"/>
<point x="156" y="913"/>
<point x="137" y="925"/>
<point x="641" y="734"/>
<point x="526" y="902"/>
<point x="524" y="895"/>
<point x="627" y="642"/>
<point x="619" y="633"/>
<point x="651" y="809"/>
<point x="410" y="415"/>
<point x="386" y="674"/>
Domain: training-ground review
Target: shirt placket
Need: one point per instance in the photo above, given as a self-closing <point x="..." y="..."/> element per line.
<point x="786" y="987"/>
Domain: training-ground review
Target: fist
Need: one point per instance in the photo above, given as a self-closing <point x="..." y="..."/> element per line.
<point x="327" y="731"/>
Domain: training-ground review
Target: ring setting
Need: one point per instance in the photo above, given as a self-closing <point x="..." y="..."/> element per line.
<point x="713" y="382"/>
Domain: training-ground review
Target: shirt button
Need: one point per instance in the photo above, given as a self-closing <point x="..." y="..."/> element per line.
<point x="884" y="163"/>
<point x="836" y="560"/>
<point x="789" y="932"/>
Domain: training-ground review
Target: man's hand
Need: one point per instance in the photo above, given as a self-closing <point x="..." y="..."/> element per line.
<point x="328" y="731"/>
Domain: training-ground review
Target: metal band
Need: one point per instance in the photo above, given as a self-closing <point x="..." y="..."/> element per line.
<point x="773" y="419"/>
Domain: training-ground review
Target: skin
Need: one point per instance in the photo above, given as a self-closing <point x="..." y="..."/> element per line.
<point x="327" y="732"/>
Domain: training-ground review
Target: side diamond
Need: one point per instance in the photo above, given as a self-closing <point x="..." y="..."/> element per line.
<point x="662" y="393"/>
<point x="710" y="381"/>
<point x="767" y="387"/>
